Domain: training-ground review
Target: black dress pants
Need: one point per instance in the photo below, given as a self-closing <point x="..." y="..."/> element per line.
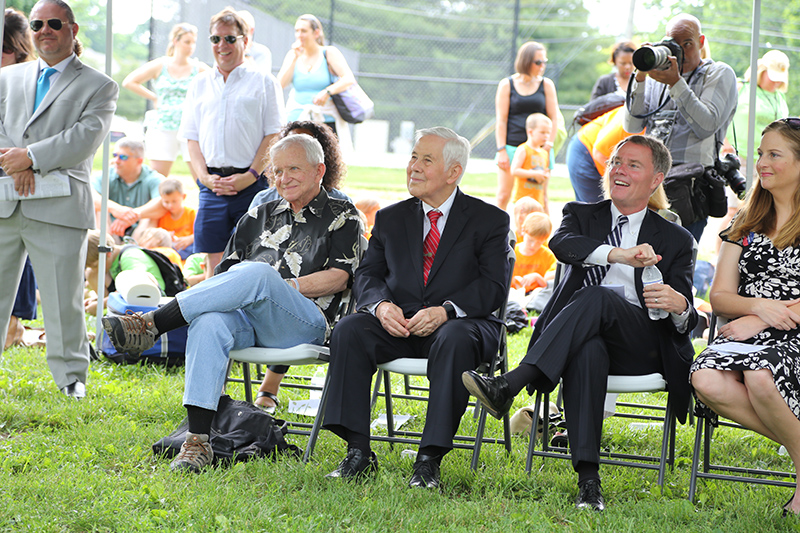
<point x="596" y="334"/>
<point x="359" y="343"/>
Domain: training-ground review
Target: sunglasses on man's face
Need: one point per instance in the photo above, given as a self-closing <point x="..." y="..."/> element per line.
<point x="55" y="24"/>
<point x="122" y="157"/>
<point x="792" y="122"/>
<point x="230" y="39"/>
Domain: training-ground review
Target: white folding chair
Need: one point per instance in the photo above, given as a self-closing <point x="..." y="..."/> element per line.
<point x="618" y="384"/>
<point x="303" y="354"/>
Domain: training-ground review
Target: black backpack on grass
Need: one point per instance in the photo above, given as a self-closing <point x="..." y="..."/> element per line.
<point x="174" y="282"/>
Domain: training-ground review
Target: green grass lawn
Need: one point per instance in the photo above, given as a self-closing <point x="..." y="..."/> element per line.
<point x="68" y="466"/>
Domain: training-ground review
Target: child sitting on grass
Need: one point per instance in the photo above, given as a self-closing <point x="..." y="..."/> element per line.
<point x="535" y="264"/>
<point x="531" y="164"/>
<point x="179" y="219"/>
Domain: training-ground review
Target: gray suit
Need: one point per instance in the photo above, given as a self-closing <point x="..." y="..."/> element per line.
<point x="63" y="134"/>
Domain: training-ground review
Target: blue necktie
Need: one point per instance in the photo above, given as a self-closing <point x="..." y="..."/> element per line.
<point x="43" y="85"/>
<point x="595" y="274"/>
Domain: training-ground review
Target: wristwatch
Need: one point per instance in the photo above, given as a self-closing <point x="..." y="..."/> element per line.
<point x="30" y="156"/>
<point x="451" y="310"/>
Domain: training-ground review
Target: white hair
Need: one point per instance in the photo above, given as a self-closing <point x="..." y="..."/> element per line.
<point x="456" y="149"/>
<point x="313" y="149"/>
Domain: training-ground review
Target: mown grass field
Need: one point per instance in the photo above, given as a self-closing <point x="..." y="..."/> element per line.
<point x="69" y="466"/>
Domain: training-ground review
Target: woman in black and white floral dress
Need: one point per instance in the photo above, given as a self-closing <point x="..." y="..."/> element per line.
<point x="757" y="287"/>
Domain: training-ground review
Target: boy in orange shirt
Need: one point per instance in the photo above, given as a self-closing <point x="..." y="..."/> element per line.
<point x="531" y="164"/>
<point x="535" y="263"/>
<point x="179" y="220"/>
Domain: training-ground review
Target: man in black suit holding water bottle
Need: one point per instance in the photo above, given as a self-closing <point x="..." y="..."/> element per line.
<point x="597" y="321"/>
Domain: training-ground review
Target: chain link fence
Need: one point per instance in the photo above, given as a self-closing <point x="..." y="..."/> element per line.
<point x="423" y="63"/>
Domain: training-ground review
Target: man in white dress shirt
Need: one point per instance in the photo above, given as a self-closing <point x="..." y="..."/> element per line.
<point x="230" y="116"/>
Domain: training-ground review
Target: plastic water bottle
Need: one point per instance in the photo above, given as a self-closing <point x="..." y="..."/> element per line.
<point x="651" y="274"/>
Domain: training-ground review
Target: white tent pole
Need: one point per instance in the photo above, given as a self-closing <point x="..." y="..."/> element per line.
<point x="751" y="119"/>
<point x="102" y="248"/>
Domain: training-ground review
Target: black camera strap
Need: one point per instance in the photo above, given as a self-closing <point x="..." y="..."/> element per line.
<point x="664" y="91"/>
<point x="628" y="99"/>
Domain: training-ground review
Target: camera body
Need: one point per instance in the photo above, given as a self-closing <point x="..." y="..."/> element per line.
<point x="656" y="56"/>
<point x="728" y="168"/>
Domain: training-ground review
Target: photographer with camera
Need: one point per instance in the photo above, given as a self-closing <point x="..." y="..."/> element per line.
<point x="688" y="103"/>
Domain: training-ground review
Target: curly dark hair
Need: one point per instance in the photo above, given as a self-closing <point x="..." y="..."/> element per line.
<point x="335" y="169"/>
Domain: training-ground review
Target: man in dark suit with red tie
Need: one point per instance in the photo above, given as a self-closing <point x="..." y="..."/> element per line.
<point x="435" y="269"/>
<point x="587" y="330"/>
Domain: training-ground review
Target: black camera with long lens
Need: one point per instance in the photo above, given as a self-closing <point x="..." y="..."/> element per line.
<point x="656" y="56"/>
<point x="728" y="168"/>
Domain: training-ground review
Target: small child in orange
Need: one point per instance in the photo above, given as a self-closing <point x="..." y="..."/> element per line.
<point x="368" y="206"/>
<point x="522" y="208"/>
<point x="531" y="164"/>
<point x="535" y="263"/>
<point x="179" y="220"/>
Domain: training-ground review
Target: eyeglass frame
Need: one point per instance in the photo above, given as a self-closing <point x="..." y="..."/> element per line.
<point x="230" y="39"/>
<point x="49" y="22"/>
<point x="122" y="157"/>
<point x="540" y="62"/>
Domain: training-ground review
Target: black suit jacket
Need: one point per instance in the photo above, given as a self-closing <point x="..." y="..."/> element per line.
<point x="470" y="268"/>
<point x="584" y="227"/>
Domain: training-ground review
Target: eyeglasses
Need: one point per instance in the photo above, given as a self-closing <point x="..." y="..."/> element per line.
<point x="792" y="122"/>
<point x="122" y="157"/>
<point x="540" y="62"/>
<point x="230" y="39"/>
<point x="55" y="24"/>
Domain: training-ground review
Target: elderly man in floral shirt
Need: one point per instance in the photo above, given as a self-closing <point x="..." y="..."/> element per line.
<point x="279" y="285"/>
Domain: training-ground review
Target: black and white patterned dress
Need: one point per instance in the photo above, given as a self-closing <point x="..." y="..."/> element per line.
<point x="766" y="272"/>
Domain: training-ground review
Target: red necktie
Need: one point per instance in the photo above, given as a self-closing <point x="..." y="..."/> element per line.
<point x="431" y="243"/>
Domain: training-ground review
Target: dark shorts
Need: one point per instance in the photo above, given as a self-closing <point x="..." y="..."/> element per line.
<point x="217" y="216"/>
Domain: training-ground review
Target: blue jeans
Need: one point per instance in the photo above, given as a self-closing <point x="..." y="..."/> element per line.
<point x="586" y="181"/>
<point x="249" y="305"/>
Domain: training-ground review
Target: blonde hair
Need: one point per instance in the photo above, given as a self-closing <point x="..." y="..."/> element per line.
<point x="155" y="237"/>
<point x="315" y="25"/>
<point x="534" y="119"/>
<point x="537" y="225"/>
<point x="178" y="31"/>
<point x="758" y="212"/>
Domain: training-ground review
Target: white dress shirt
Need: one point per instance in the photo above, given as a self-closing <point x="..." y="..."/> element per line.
<point x="229" y="119"/>
<point x="619" y="274"/>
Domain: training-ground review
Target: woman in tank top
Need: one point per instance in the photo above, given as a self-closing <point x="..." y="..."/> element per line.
<point x="169" y="78"/>
<point x="310" y="67"/>
<point x="519" y="95"/>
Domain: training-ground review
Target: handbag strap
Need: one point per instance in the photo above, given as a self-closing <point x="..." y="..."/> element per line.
<point x="325" y="56"/>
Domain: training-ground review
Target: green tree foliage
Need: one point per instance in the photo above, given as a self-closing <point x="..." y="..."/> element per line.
<point x="440" y="62"/>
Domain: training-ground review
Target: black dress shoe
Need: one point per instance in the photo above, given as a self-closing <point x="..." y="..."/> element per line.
<point x="426" y="472"/>
<point x="355" y="464"/>
<point x="75" y="390"/>
<point x="493" y="393"/>
<point x="589" y="496"/>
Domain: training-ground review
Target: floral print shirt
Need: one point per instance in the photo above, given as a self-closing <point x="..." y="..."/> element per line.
<point x="323" y="234"/>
